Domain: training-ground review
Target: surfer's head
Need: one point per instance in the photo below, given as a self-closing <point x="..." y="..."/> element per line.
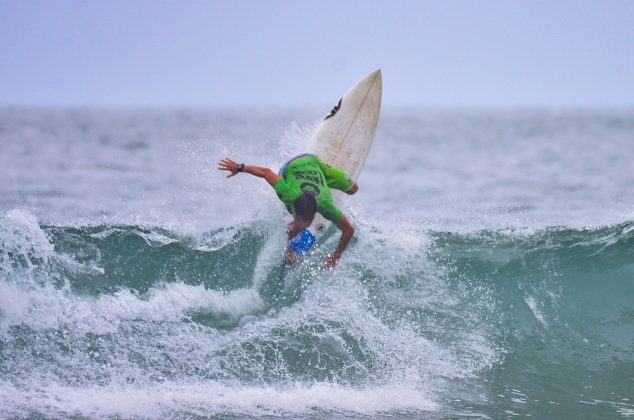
<point x="305" y="208"/>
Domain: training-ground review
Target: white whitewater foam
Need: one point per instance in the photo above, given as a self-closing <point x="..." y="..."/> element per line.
<point x="212" y="399"/>
<point x="48" y="307"/>
<point x="22" y="235"/>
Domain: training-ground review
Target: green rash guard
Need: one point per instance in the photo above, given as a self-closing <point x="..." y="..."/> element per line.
<point x="308" y="174"/>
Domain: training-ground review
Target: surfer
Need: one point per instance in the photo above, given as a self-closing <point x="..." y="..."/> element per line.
<point x="303" y="185"/>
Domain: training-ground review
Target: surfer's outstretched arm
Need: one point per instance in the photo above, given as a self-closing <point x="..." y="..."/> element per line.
<point x="234" y="167"/>
<point x="347" y="231"/>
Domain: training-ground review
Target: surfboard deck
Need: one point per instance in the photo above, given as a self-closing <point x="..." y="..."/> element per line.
<point x="344" y="139"/>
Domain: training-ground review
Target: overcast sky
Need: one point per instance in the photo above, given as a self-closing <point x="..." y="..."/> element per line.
<point x="290" y="53"/>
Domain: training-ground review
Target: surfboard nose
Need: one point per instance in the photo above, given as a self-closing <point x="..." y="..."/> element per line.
<point x="378" y="77"/>
<point x="372" y="79"/>
<point x="376" y="74"/>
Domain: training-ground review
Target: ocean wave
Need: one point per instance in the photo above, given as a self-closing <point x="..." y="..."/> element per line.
<point x="103" y="311"/>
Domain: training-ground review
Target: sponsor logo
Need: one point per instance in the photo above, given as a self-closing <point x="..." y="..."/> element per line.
<point x="311" y="176"/>
<point x="334" y="110"/>
<point x="308" y="188"/>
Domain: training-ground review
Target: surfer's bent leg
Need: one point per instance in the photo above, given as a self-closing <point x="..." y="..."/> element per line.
<point x="338" y="179"/>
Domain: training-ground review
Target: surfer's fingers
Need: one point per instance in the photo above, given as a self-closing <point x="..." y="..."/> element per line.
<point x="228" y="165"/>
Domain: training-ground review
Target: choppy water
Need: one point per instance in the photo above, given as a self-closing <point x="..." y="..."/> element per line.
<point x="492" y="273"/>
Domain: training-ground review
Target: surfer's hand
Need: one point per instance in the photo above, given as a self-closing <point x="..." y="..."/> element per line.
<point x="227" y="164"/>
<point x="331" y="261"/>
<point x="291" y="257"/>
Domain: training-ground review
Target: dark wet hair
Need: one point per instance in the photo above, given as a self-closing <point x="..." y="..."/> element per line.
<point x="305" y="207"/>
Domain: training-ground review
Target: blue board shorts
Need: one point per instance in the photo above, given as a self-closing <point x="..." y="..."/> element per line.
<point x="303" y="242"/>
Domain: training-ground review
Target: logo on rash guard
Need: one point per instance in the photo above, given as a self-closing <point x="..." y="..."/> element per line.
<point x="313" y="176"/>
<point x="308" y="188"/>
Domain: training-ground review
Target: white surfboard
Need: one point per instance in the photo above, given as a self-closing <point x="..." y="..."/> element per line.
<point x="345" y="136"/>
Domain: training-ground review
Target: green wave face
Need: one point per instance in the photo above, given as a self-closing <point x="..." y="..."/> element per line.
<point x="439" y="323"/>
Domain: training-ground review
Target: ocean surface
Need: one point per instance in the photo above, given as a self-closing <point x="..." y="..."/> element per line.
<point x="491" y="274"/>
